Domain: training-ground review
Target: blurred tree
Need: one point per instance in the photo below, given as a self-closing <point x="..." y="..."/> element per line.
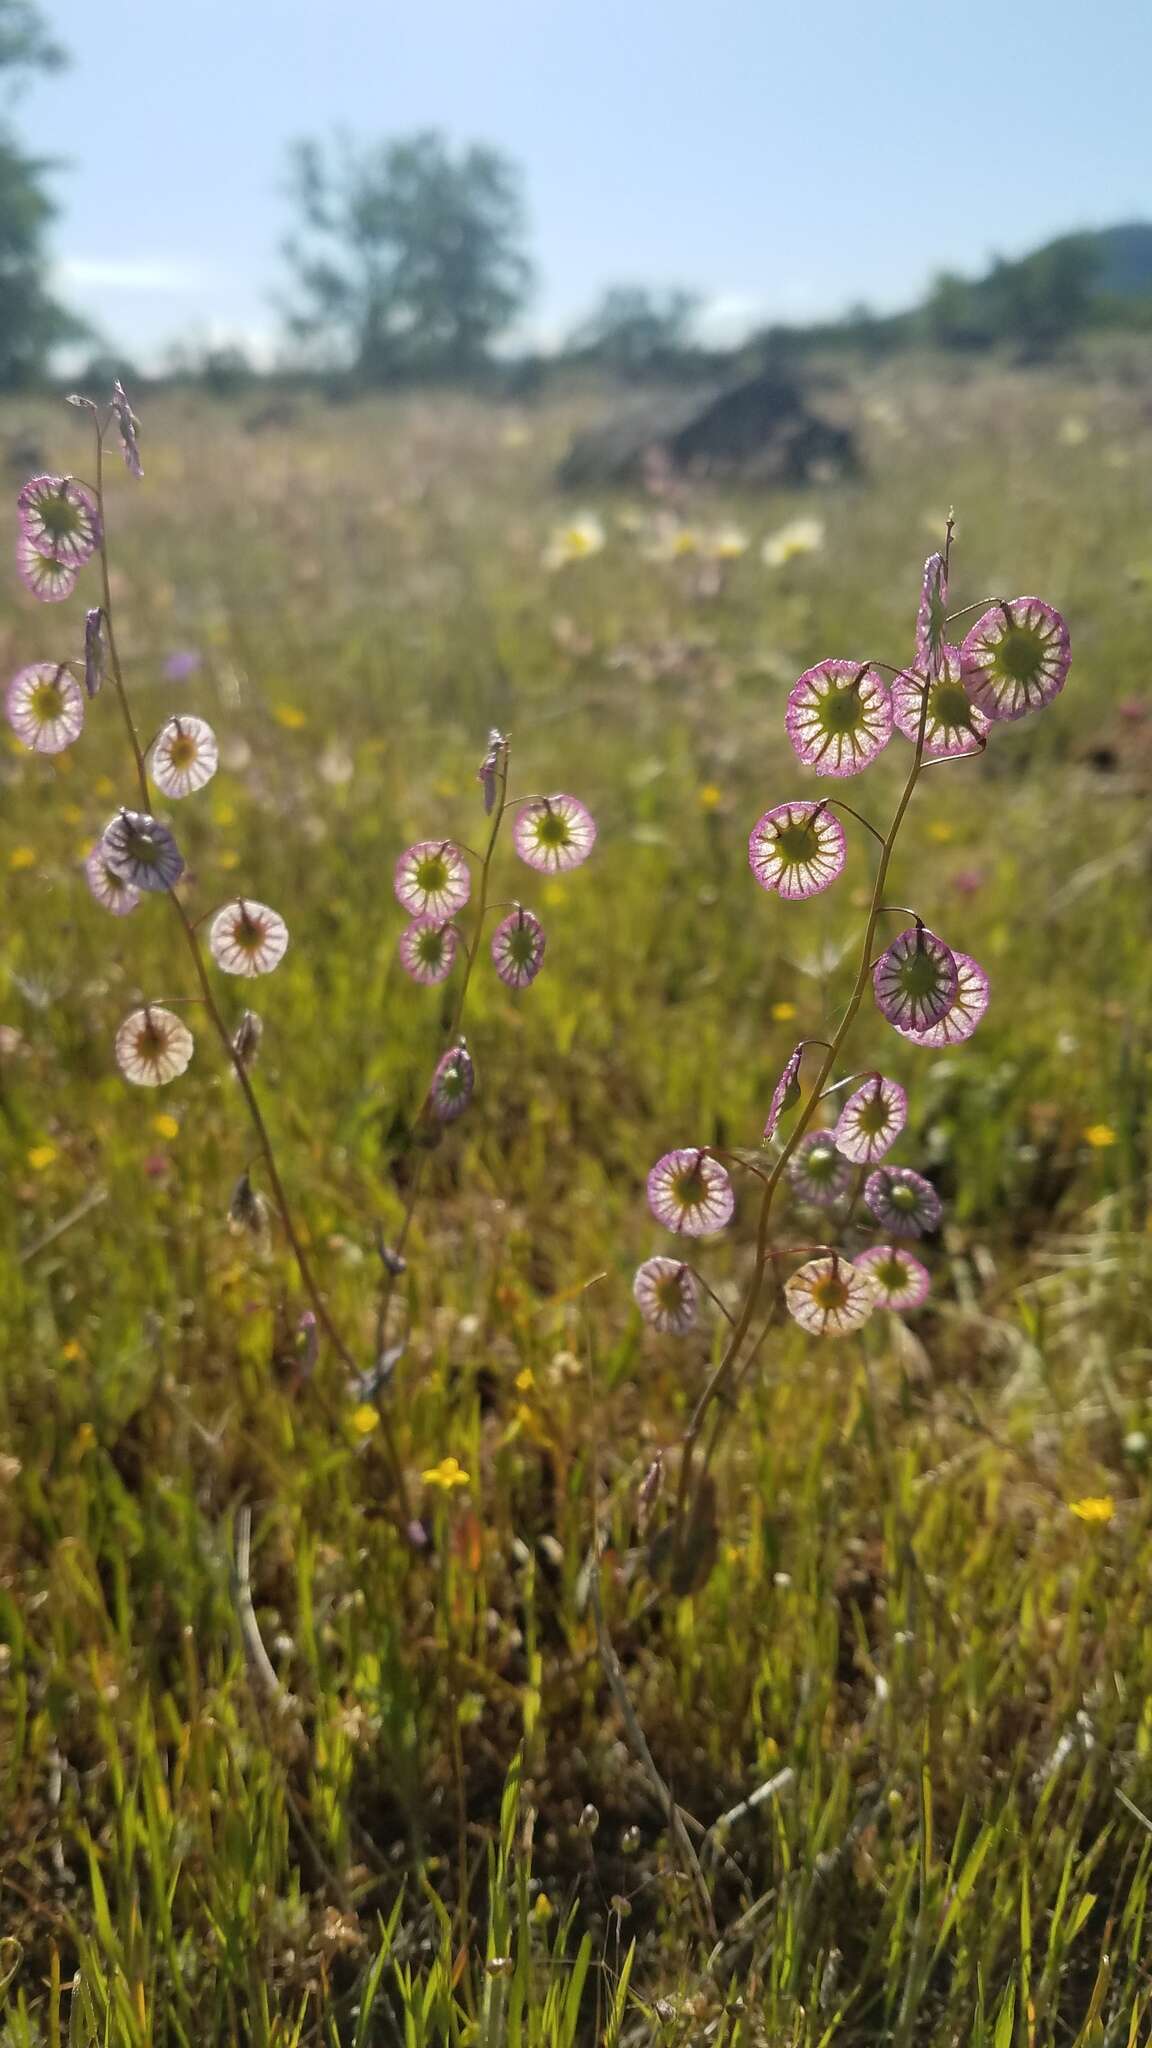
<point x="1033" y="304"/>
<point x="31" y="322"/>
<point x="410" y="259"/>
<point x="635" y="331"/>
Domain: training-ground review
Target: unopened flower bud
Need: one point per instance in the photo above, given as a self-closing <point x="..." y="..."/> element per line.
<point x="490" y="768"/>
<point x="247" y="1037"/>
<point x="247" y="1211"/>
<point x="307" y="1341"/>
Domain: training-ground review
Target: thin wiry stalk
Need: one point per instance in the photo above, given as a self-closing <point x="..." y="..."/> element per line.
<point x="192" y="938"/>
<point x="717" y="1384"/>
<point x="471" y="950"/>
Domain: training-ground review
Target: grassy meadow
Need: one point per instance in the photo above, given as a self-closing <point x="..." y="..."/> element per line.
<point x="357" y="1811"/>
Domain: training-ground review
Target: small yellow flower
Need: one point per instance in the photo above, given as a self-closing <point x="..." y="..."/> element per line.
<point x="685" y="541"/>
<point x="104" y="786"/>
<point x="228" y="859"/>
<point x="72" y="814"/>
<point x="709" y="796"/>
<point x="525" y="1381"/>
<point x="726" y="544"/>
<point x="543" y="1908"/>
<point x="22" y="857"/>
<point x="290" y="717"/>
<point x="71" y="1351"/>
<point x="1099" y="1136"/>
<point x="941" y="831"/>
<point x="782" y="1013"/>
<point x="165" y="1126"/>
<point x="41" y="1156"/>
<point x="224" y="813"/>
<point x="449" y="1473"/>
<point x="1093" y="1508"/>
<point x="446" y="788"/>
<point x="582" y="537"/>
<point x="788" y="543"/>
<point x="365" y="1419"/>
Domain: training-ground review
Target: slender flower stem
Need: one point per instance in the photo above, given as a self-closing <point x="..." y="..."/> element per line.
<point x="471" y="951"/>
<point x="208" y="995"/>
<point x="719" y="1380"/>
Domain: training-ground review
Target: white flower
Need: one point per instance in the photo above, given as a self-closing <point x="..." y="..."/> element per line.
<point x="799" y="537"/>
<point x="581" y="537"/>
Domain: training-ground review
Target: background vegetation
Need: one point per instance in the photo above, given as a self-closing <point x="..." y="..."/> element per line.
<point x="923" y="1648"/>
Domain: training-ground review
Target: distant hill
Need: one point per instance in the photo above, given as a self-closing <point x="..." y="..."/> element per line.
<point x="1122" y="258"/>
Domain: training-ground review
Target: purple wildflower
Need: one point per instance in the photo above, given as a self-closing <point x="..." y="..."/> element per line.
<point x="518" y="947"/>
<point x="797" y="849"/>
<point x="153" y="1046"/>
<point x="902" y="1201"/>
<point x="61" y="518"/>
<point x="554" y="833"/>
<point x="428" y="949"/>
<point x="839" y="716"/>
<point x="432" y="879"/>
<point x="690" y="1192"/>
<point x="48" y="579"/>
<point x="142" y="851"/>
<point x="967" y="1008"/>
<point x="903" y="1283"/>
<point x="185" y="756"/>
<point x="109" y="889"/>
<point x="453" y="1084"/>
<point x="953" y="724"/>
<point x="829" y="1297"/>
<point x="818" y="1171"/>
<point x="1016" y="658"/>
<point x="871" y="1121"/>
<point x="667" y="1295"/>
<point x="247" y="938"/>
<point x="182" y="664"/>
<point x="44" y="705"/>
<point x="916" y="980"/>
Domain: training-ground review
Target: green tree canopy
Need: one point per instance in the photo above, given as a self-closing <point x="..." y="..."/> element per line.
<point x="31" y="322"/>
<point x="635" y="331"/>
<point x="409" y="259"/>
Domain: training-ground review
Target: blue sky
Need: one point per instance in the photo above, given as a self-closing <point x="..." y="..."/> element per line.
<point x="782" y="160"/>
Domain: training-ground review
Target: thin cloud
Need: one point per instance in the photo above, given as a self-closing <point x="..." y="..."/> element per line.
<point x="134" y="275"/>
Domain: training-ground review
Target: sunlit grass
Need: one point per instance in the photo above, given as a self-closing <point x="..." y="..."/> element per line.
<point x="922" y="1628"/>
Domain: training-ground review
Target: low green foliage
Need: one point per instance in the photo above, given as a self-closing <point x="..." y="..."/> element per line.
<point x="914" y="1685"/>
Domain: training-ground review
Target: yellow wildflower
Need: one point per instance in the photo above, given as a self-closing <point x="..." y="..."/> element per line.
<point x="290" y="717"/>
<point x="365" y="1419"/>
<point x="782" y="1013"/>
<point x="709" y="797"/>
<point x="1093" y="1508"/>
<point x="449" y="1473"/>
<point x="788" y="543"/>
<point x="22" y="857"/>
<point x="41" y="1156"/>
<point x="165" y="1126"/>
<point x="941" y="831"/>
<point x="583" y="536"/>
<point x="1099" y="1136"/>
